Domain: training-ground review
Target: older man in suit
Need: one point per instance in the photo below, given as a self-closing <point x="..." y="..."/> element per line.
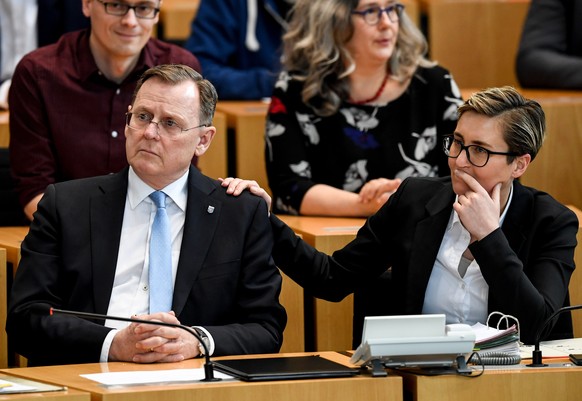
<point x="88" y="251"/>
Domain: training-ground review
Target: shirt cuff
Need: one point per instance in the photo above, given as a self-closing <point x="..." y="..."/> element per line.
<point x="210" y="340"/>
<point x="107" y="345"/>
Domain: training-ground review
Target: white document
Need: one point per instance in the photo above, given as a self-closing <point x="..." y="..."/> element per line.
<point x="555" y="348"/>
<point x="8" y="387"/>
<point x="153" y="376"/>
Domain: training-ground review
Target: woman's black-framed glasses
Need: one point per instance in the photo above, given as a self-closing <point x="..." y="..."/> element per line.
<point x="143" y="11"/>
<point x="477" y="155"/>
<point x="373" y="15"/>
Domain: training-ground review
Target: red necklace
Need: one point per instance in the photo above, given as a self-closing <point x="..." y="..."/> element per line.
<point x="376" y="96"/>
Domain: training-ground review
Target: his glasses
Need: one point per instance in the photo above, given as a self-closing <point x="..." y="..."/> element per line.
<point x="166" y="127"/>
<point x="477" y="155"/>
<point x="373" y="15"/>
<point x="144" y="11"/>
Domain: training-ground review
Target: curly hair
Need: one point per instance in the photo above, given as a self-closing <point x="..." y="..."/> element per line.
<point x="314" y="51"/>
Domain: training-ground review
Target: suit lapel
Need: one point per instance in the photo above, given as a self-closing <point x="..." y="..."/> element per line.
<point x="521" y="205"/>
<point x="106" y="210"/>
<point x="202" y="215"/>
<point x="426" y="244"/>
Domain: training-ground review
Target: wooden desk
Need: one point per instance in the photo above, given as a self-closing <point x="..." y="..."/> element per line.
<point x="514" y="383"/>
<point x="3" y="309"/>
<point x="4" y="130"/>
<point x="66" y="395"/>
<point x="213" y="163"/>
<point x="332" y="321"/>
<point x="575" y="287"/>
<point x="412" y="8"/>
<point x="477" y="40"/>
<point x="176" y="18"/>
<point x="292" y="300"/>
<point x="555" y="169"/>
<point x="355" y="388"/>
<point x="247" y="120"/>
<point x="10" y="239"/>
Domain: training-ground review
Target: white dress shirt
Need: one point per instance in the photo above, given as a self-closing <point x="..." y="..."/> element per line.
<point x="463" y="299"/>
<point x="130" y="294"/>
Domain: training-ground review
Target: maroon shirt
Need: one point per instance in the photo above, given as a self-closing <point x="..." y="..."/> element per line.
<point x="66" y="119"/>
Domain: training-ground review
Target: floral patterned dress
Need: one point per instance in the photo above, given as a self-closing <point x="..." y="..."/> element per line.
<point x="359" y="143"/>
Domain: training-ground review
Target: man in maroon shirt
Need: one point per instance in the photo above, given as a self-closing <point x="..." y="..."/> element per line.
<point x="68" y="100"/>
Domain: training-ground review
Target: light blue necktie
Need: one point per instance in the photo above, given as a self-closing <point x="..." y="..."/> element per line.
<point x="161" y="283"/>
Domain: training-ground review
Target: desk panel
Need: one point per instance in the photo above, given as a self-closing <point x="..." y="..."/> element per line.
<point x="332" y="320"/>
<point x="4" y="129"/>
<point x="412" y="8"/>
<point x="575" y="287"/>
<point x="176" y="17"/>
<point x="361" y="387"/>
<point x="10" y="240"/>
<point x="555" y="169"/>
<point x="3" y="309"/>
<point x="514" y="383"/>
<point x="476" y="40"/>
<point x="213" y="163"/>
<point x="247" y="121"/>
<point x="292" y="299"/>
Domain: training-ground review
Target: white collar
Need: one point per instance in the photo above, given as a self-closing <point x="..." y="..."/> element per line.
<point x="137" y="190"/>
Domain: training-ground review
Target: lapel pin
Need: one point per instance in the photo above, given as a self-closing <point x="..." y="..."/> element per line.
<point x="210" y="209"/>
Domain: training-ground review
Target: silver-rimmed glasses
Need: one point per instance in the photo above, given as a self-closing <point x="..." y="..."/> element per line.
<point x="144" y="10"/>
<point x="373" y="14"/>
<point x="477" y="155"/>
<point x="166" y="127"/>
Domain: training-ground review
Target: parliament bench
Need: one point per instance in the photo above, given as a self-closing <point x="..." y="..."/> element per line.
<point x="476" y="40"/>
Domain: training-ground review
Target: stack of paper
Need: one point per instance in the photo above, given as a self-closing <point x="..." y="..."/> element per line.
<point x="491" y="340"/>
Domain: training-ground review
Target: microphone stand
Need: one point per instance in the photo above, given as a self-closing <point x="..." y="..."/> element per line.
<point x="536" y="355"/>
<point x="208" y="366"/>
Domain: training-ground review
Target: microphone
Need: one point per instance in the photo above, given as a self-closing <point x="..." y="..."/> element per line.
<point x="536" y="355"/>
<point x="208" y="366"/>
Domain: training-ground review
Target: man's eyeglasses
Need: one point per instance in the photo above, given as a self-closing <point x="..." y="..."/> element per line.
<point x="144" y="11"/>
<point x="166" y="127"/>
<point x="373" y="15"/>
<point x="477" y="155"/>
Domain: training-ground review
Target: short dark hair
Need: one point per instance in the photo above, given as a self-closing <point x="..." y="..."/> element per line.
<point x="178" y="73"/>
<point x="523" y="120"/>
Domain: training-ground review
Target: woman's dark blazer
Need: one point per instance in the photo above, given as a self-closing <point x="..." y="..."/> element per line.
<point x="527" y="263"/>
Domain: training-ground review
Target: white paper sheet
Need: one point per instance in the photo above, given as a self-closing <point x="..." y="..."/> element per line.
<point x="555" y="348"/>
<point x="153" y="376"/>
<point x="8" y="387"/>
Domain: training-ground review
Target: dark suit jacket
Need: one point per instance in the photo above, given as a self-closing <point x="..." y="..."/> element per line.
<point x="550" y="51"/>
<point x="226" y="280"/>
<point x="527" y="263"/>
